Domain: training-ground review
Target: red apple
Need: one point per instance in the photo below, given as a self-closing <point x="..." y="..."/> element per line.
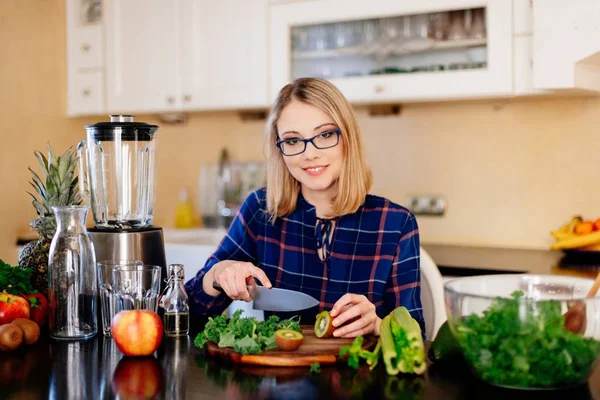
<point x="137" y="378"/>
<point x="12" y="307"/>
<point x="38" y="306"/>
<point x="137" y="332"/>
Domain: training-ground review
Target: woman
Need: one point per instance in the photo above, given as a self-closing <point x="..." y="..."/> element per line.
<point x="314" y="228"/>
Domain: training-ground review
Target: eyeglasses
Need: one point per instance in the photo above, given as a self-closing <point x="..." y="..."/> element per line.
<point x="322" y="141"/>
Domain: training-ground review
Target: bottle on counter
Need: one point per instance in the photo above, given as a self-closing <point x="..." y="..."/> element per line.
<point x="175" y="303"/>
<point x="184" y="213"/>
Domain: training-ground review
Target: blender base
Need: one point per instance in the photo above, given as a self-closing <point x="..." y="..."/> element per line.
<point x="144" y="244"/>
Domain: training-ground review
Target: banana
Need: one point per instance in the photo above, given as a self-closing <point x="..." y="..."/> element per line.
<point x="561" y="235"/>
<point x="567" y="230"/>
<point x="577" y="241"/>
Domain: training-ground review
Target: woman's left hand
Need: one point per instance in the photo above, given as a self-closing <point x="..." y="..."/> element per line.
<point x="360" y="311"/>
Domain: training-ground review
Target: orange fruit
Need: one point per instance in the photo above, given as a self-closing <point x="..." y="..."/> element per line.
<point x="584" y="227"/>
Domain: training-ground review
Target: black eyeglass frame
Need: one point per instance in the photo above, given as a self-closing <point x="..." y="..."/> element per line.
<point x="337" y="131"/>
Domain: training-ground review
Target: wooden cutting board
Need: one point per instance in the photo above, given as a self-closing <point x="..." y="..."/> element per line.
<point x="313" y="350"/>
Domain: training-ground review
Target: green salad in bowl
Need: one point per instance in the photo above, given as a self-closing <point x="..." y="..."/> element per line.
<point x="511" y="328"/>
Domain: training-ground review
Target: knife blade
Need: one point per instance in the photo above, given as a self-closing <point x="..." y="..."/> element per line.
<point x="276" y="299"/>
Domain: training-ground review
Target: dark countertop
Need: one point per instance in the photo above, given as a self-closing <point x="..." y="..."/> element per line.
<point x="470" y="260"/>
<point x="96" y="370"/>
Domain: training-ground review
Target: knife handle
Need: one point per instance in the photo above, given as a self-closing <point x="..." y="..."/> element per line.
<point x="218" y="287"/>
<point x="251" y="289"/>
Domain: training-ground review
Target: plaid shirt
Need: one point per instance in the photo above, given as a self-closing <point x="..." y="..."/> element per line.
<point x="374" y="252"/>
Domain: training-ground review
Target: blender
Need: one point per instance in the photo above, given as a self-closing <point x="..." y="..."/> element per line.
<point x="117" y="177"/>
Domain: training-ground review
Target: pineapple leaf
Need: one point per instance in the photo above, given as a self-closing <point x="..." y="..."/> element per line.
<point x="40" y="208"/>
<point x="38" y="185"/>
<point x="52" y="184"/>
<point x="51" y="156"/>
<point x="43" y="163"/>
<point x="62" y="167"/>
<point x="58" y="188"/>
<point x="74" y="196"/>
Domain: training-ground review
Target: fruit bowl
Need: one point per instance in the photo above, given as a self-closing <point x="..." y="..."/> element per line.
<point x="511" y="328"/>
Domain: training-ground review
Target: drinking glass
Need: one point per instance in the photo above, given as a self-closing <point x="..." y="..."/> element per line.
<point x="106" y="288"/>
<point x="136" y="287"/>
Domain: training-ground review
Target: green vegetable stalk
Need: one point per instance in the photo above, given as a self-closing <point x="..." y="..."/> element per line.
<point x="402" y="344"/>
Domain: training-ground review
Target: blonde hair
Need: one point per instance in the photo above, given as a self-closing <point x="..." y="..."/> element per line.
<point x="355" y="177"/>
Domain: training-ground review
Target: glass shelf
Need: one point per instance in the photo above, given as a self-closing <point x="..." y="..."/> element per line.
<point x="440" y="41"/>
<point x="397" y="49"/>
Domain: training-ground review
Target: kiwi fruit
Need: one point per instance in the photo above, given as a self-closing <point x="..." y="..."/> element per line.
<point x="324" y="325"/>
<point x="11" y="337"/>
<point x="288" y="339"/>
<point x="31" y="330"/>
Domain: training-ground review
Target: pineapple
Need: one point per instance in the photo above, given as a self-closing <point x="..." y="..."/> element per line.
<point x="60" y="189"/>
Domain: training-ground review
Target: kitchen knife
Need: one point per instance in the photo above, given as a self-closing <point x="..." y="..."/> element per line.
<point x="276" y="299"/>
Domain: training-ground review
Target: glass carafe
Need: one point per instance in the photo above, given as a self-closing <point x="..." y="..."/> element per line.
<point x="117" y="172"/>
<point x="72" y="283"/>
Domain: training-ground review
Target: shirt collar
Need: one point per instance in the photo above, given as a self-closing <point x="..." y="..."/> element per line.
<point x="304" y="205"/>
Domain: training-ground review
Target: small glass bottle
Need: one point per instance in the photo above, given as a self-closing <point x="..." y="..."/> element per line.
<point x="177" y="310"/>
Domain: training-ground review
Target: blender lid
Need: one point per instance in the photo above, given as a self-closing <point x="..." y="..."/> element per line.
<point x="124" y="126"/>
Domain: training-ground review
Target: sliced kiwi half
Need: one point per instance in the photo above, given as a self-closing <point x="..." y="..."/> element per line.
<point x="324" y="325"/>
<point x="288" y="339"/>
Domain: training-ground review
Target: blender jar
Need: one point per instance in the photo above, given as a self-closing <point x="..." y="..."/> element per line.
<point x="117" y="172"/>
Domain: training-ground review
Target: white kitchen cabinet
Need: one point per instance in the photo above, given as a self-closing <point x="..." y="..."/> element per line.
<point x="85" y="93"/>
<point x="566" y="44"/>
<point x="319" y="38"/>
<point x="523" y="68"/>
<point x="523" y="17"/>
<point x="223" y="54"/>
<point x="85" y="58"/>
<point x="186" y="55"/>
<point x="143" y="56"/>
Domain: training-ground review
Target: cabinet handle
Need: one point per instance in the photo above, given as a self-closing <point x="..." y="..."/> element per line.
<point x="187" y="98"/>
<point x="379" y="88"/>
<point x="86" y="92"/>
<point x="86" y="47"/>
<point x="170" y="99"/>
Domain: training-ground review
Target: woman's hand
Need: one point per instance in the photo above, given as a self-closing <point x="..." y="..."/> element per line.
<point x="359" y="311"/>
<point x="234" y="278"/>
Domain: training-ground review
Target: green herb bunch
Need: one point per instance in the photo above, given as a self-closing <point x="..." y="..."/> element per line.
<point x="244" y="335"/>
<point x="524" y="343"/>
<point x="15" y="280"/>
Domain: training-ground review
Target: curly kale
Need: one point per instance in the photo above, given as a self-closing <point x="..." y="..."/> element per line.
<point x="244" y="335"/>
<point x="292" y="323"/>
<point x="524" y="343"/>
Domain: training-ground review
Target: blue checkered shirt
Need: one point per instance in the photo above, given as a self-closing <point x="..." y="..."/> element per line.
<point x="373" y="252"/>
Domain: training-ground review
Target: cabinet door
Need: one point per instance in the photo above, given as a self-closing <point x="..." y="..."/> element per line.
<point x="524" y="67"/>
<point x="142" y="55"/>
<point x="224" y="54"/>
<point x="85" y="93"/>
<point x="382" y="51"/>
<point x="566" y="45"/>
<point x="85" y="58"/>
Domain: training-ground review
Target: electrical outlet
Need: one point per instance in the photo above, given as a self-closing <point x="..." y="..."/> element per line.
<point x="426" y="204"/>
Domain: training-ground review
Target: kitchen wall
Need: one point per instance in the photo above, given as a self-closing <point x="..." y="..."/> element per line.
<point x="511" y="170"/>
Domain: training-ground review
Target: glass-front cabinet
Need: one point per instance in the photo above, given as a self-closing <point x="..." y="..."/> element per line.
<point x="401" y="50"/>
